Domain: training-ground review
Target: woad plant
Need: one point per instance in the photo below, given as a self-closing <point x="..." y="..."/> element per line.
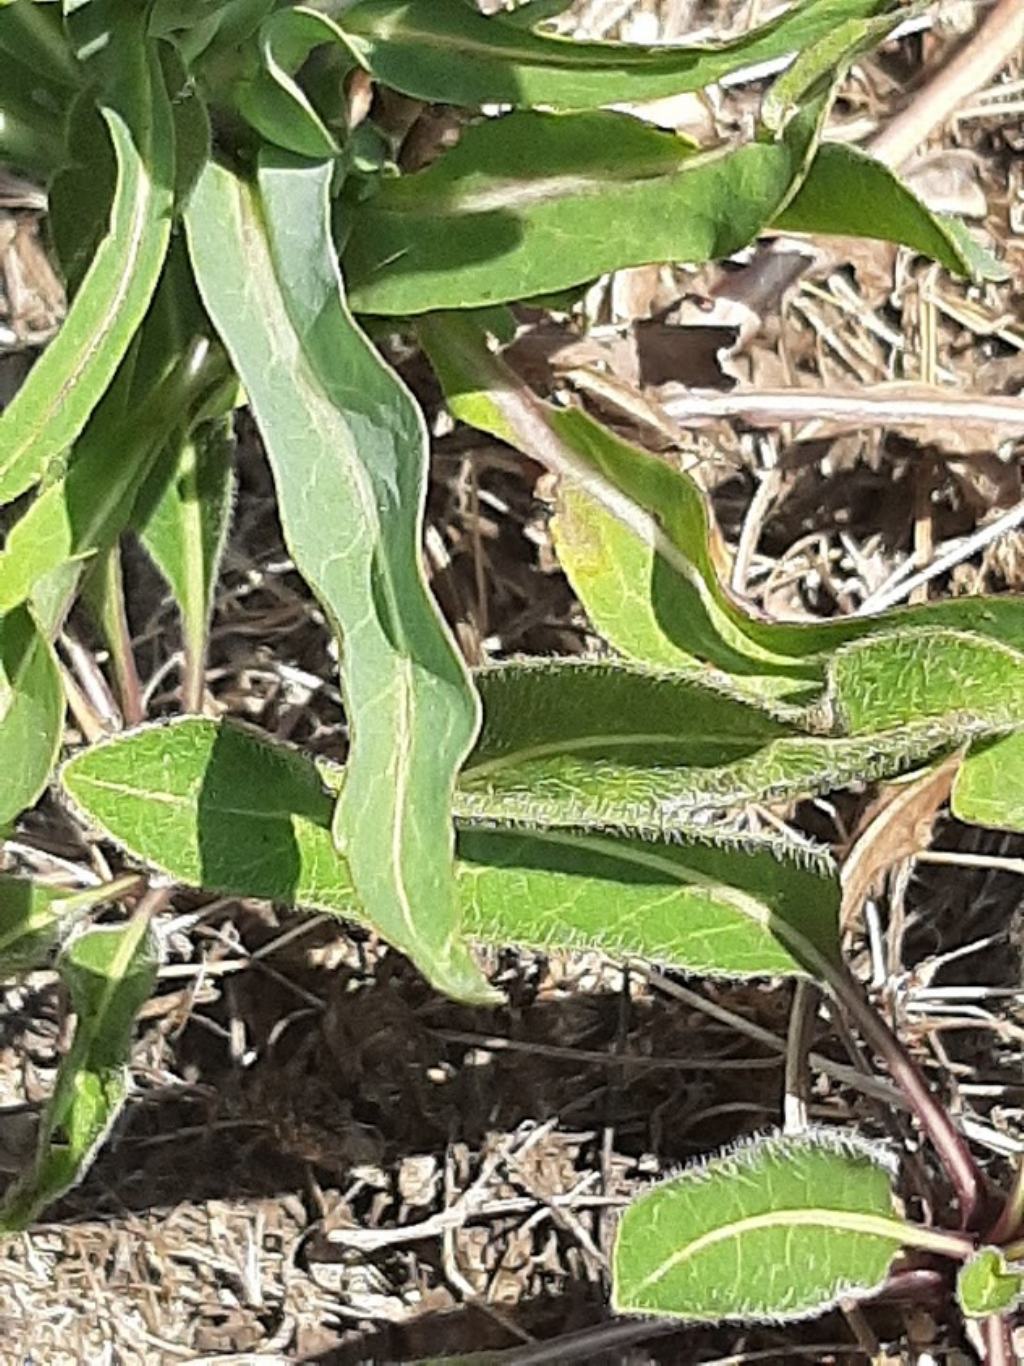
<point x="230" y="218"/>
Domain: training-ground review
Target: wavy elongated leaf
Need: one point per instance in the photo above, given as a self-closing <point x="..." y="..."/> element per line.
<point x="184" y="531"/>
<point x="109" y="973"/>
<point x="446" y="50"/>
<point x="53" y="405"/>
<point x="613" y="747"/>
<point x="214" y="805"/>
<point x="533" y="203"/>
<point x="347" y="445"/>
<point x="634" y="536"/>
<point x="846" y="191"/>
<point x="34" y="918"/>
<point x="779" y="1228"/>
<point x="31" y="712"/>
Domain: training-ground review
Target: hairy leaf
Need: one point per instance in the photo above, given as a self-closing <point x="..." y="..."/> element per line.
<point x="109" y="973"/>
<point x="445" y="50"/>
<point x="534" y="202"/>
<point x="184" y="531"/>
<point x="31" y="712"/>
<point x="777" y="1229"/>
<point x="611" y="746"/>
<point x="347" y="445"/>
<point x="214" y="805"/>
<point x="69" y="379"/>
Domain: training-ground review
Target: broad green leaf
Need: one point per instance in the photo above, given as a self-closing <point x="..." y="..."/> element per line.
<point x="779" y="1228"/>
<point x="347" y="446"/>
<point x="846" y="191"/>
<point x="109" y="973"/>
<point x="611" y="746"/>
<point x="81" y="514"/>
<point x="66" y="383"/>
<point x="986" y="1285"/>
<point x="31" y="131"/>
<point x="214" y="805"/>
<point x="989" y="787"/>
<point x="31" y="712"/>
<point x="31" y="34"/>
<point x="533" y="202"/>
<point x="35" y="917"/>
<point x="445" y="50"/>
<point x="273" y="100"/>
<point x="920" y="673"/>
<point x="184" y="531"/>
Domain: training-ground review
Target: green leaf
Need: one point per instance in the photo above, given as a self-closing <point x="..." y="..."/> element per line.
<point x="215" y="805"/>
<point x="532" y="203"/>
<point x="347" y="445"/>
<point x="64" y="386"/>
<point x="610" y="746"/>
<point x="31" y="712"/>
<point x="777" y="1229"/>
<point x="31" y="34"/>
<point x="989" y="787"/>
<point x="183" y="527"/>
<point x="273" y="100"/>
<point x="986" y="1285"/>
<point x="81" y="514"/>
<point x="846" y="191"/>
<point x="445" y="50"/>
<point x="633" y="535"/>
<point x="34" y="918"/>
<point x="109" y="973"/>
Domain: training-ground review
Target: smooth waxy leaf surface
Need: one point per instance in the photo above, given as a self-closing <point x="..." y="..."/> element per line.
<point x="848" y="192"/>
<point x="348" y="448"/>
<point x="52" y="406"/>
<point x="535" y="202"/>
<point x="31" y="712"/>
<point x="986" y="1285"/>
<point x="184" y="531"/>
<point x="445" y="50"/>
<point x="109" y="972"/>
<point x="609" y="745"/>
<point x="214" y="805"/>
<point x="779" y="1228"/>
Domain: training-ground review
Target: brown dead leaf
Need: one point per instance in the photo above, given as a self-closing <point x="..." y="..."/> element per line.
<point x="896" y="826"/>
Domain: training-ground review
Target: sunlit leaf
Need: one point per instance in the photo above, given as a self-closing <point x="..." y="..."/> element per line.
<point x="347" y="445"/>
<point x="535" y="202"/>
<point x="69" y="379"/>
<point x="612" y="746"/>
<point x="214" y="805"/>
<point x="986" y="1285"/>
<point x="445" y="50"/>
<point x="779" y="1228"/>
<point x="31" y="712"/>
<point x="109" y="972"/>
<point x="35" y="917"/>
<point x="184" y="532"/>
